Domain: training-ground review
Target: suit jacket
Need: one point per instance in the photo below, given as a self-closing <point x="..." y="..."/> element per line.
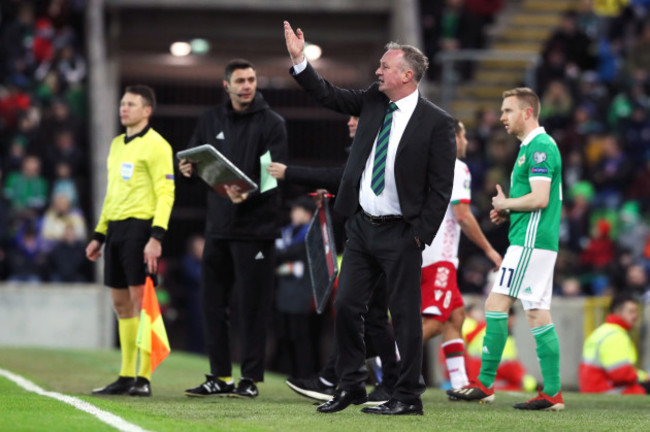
<point x="425" y="159"/>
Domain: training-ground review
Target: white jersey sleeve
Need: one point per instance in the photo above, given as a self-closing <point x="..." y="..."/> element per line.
<point x="462" y="190"/>
<point x="445" y="244"/>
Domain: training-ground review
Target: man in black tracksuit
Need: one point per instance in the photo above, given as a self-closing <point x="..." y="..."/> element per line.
<point x="240" y="232"/>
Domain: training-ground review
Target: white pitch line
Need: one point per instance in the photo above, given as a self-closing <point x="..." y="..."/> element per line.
<point x="110" y="419"/>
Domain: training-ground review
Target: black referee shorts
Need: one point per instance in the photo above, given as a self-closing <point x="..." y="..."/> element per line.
<point x="124" y="252"/>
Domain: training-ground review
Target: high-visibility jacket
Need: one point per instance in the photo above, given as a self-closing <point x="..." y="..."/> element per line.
<point x="608" y="360"/>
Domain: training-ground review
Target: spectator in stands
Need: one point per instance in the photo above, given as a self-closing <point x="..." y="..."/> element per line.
<point x="66" y="150"/>
<point x="67" y="259"/>
<point x="27" y="190"/>
<point x="635" y="135"/>
<point x="609" y="355"/>
<point x="578" y="210"/>
<point x="296" y="350"/>
<point x="56" y="117"/>
<point x="58" y="218"/>
<point x="27" y="257"/>
<point x="557" y="105"/>
<point x="611" y="174"/>
<point x="191" y="278"/>
<point x="63" y="184"/>
<point x="639" y="188"/>
<point x="573" y="43"/>
<point x="638" y="59"/>
<point x="479" y="14"/>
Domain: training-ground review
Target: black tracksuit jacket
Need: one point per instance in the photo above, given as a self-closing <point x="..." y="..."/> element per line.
<point x="243" y="137"/>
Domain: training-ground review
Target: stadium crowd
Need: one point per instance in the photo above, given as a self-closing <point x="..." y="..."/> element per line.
<point x="594" y="81"/>
<point x="42" y="142"/>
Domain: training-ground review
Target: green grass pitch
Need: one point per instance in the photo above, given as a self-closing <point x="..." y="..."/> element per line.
<point x="76" y="372"/>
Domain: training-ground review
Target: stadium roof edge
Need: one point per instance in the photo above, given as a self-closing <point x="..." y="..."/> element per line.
<point x="339" y="6"/>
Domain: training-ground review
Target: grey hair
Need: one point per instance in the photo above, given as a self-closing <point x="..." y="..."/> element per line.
<point x="414" y="58"/>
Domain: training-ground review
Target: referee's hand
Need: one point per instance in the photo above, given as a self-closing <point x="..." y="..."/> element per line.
<point x="152" y="252"/>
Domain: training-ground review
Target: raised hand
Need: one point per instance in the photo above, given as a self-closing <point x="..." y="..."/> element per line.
<point x="295" y="43"/>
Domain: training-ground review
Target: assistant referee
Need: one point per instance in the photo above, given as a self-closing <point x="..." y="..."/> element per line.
<point x="132" y="224"/>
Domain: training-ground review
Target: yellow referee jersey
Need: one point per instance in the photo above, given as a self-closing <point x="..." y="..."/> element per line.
<point x="140" y="180"/>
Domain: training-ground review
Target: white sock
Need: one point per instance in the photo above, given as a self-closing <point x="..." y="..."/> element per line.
<point x="456" y="367"/>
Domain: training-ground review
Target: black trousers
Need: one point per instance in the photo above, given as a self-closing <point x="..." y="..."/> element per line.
<point x="378" y="337"/>
<point x="245" y="267"/>
<point x="371" y="250"/>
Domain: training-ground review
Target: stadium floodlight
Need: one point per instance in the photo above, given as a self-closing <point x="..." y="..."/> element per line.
<point x="312" y="51"/>
<point x="200" y="46"/>
<point x="180" y="49"/>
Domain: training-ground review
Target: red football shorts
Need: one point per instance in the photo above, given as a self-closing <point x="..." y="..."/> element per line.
<point x="440" y="294"/>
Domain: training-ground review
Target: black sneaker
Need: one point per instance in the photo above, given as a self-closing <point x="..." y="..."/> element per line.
<point x="379" y="395"/>
<point x="119" y="387"/>
<point x="142" y="387"/>
<point x="474" y="391"/>
<point x="543" y="402"/>
<point x="212" y="386"/>
<point x="312" y="388"/>
<point x="245" y="389"/>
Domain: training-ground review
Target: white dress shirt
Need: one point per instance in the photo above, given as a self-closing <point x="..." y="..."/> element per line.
<point x="387" y="202"/>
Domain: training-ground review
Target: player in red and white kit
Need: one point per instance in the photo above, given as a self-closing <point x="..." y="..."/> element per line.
<point x="442" y="305"/>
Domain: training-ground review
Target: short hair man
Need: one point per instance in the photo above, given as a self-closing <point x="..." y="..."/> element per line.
<point x="609" y="355"/>
<point x="443" y="309"/>
<point x="395" y="190"/>
<point x="526" y="272"/>
<point x="134" y="218"/>
<point x="239" y="253"/>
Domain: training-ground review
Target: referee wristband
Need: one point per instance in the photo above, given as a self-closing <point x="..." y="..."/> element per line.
<point x="158" y="233"/>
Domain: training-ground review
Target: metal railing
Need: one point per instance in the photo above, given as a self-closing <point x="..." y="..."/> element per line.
<point x="449" y="78"/>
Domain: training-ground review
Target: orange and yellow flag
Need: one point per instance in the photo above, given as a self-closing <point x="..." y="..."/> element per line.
<point x="152" y="336"/>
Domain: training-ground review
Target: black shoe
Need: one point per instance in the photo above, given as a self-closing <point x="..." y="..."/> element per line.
<point x="212" y="386"/>
<point x="142" y="387"/>
<point x="119" y="387"/>
<point x="395" y="407"/>
<point x="379" y="395"/>
<point x="246" y="388"/>
<point x="342" y="399"/>
<point x="312" y="388"/>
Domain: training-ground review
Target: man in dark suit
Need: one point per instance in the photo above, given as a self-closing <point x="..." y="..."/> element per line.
<point x="394" y="192"/>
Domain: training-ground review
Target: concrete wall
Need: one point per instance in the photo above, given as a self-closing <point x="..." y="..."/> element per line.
<point x="56" y="315"/>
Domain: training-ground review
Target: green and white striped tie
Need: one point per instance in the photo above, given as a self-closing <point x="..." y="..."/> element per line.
<point x="381" y="151"/>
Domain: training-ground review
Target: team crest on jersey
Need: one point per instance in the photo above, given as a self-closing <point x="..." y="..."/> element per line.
<point x="127" y="170"/>
<point x="521" y="160"/>
<point x="467" y="184"/>
<point x="539" y="157"/>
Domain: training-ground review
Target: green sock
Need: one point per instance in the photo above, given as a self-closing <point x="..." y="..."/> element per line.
<point x="496" y="333"/>
<point x="548" y="352"/>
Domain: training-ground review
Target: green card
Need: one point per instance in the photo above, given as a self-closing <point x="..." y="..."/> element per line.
<point x="267" y="182"/>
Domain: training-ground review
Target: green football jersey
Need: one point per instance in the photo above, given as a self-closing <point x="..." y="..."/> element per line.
<point x="539" y="159"/>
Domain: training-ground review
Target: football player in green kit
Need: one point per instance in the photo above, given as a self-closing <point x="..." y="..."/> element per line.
<point x="526" y="273"/>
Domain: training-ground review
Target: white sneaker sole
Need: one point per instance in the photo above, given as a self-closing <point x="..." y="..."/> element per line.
<point x="308" y="393"/>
